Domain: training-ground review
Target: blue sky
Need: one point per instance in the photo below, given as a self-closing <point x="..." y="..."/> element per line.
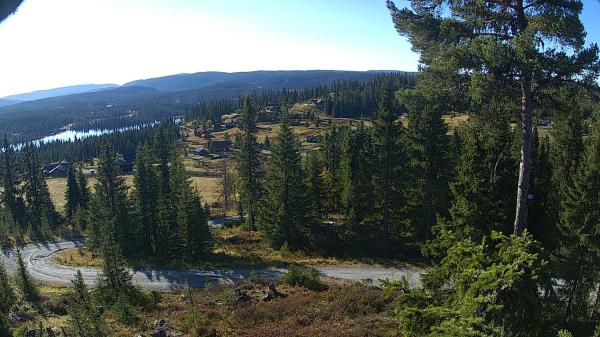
<point x="64" y="42"/>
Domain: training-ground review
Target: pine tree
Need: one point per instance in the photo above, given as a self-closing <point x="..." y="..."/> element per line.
<point x="284" y="207"/>
<point x="492" y="47"/>
<point x="145" y="199"/>
<point x="249" y="164"/>
<point x="11" y="194"/>
<point x="7" y="295"/>
<point x="84" y="319"/>
<point x="26" y="286"/>
<point x="72" y="194"/>
<point x="388" y="169"/>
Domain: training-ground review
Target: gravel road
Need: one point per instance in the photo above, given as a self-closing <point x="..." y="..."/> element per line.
<point x="41" y="267"/>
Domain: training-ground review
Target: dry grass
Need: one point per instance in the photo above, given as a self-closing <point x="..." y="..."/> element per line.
<point x="453" y="121"/>
<point x="58" y="186"/>
<point x="77" y="257"/>
<point x="208" y="187"/>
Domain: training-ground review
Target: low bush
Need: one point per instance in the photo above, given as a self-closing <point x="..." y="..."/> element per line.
<point x="303" y="277"/>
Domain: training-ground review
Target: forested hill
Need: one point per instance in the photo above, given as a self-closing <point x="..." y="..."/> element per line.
<point x="155" y="99"/>
<point x="70" y="90"/>
<point x="294" y="79"/>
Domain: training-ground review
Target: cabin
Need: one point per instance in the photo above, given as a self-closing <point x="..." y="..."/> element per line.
<point x="272" y="108"/>
<point x="219" y="146"/>
<point x="315" y="101"/>
<point x="57" y="169"/>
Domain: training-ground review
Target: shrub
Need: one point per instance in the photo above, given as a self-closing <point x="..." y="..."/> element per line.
<point x="194" y="323"/>
<point x="304" y="277"/>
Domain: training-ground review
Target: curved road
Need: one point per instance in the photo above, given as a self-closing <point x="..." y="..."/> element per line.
<point x="41" y="267"/>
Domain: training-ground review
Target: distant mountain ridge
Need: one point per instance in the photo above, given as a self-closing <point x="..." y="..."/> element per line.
<point x="7" y="102"/>
<point x="62" y="91"/>
<point x="262" y="79"/>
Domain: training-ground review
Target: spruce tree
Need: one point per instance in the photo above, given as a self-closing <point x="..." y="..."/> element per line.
<point x="84" y="318"/>
<point x="331" y="174"/>
<point x="493" y="47"/>
<point x="356" y="168"/>
<point x="84" y="190"/>
<point x="114" y="281"/>
<point x="145" y="199"/>
<point x="11" y="195"/>
<point x="189" y="235"/>
<point x="315" y="187"/>
<point x="541" y="222"/>
<point x="579" y="230"/>
<point x="388" y="170"/>
<point x="4" y="326"/>
<point x="430" y="163"/>
<point x="284" y="207"/>
<point x="111" y="205"/>
<point x="72" y="194"/>
<point x="26" y="286"/>
<point x="7" y="295"/>
<point x="43" y="217"/>
<point x="249" y="164"/>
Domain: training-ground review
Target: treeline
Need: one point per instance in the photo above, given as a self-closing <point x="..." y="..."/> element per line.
<point x="124" y="142"/>
<point x="340" y="99"/>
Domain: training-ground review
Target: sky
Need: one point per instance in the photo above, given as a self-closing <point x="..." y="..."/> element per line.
<point x="54" y="43"/>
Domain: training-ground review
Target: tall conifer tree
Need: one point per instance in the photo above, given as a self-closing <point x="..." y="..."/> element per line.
<point x="388" y="169"/>
<point x="249" y="164"/>
<point x="283" y="213"/>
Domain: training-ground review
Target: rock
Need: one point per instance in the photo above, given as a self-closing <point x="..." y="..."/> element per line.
<point x="160" y="323"/>
<point x="241" y="296"/>
<point x="176" y="334"/>
<point x="272" y="293"/>
<point x="160" y="332"/>
<point x="57" y="331"/>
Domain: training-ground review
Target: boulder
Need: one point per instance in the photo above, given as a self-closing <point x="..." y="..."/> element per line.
<point x="159" y="332"/>
<point x="241" y="296"/>
<point x="272" y="293"/>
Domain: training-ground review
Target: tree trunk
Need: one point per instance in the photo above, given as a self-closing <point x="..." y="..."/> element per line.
<point x="525" y="165"/>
